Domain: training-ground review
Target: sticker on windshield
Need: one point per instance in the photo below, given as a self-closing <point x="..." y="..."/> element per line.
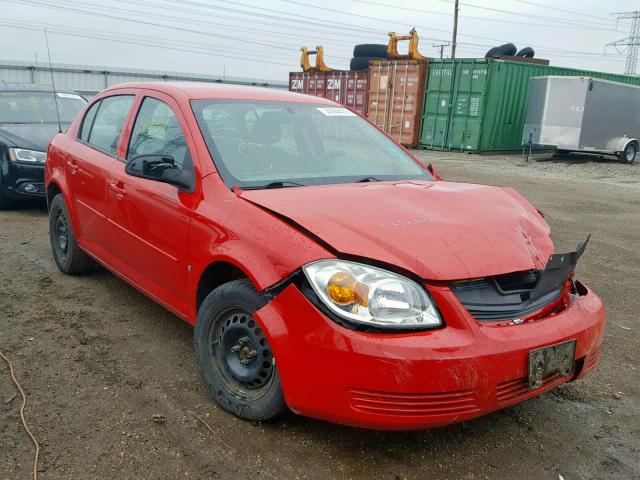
<point x="336" y="112"/>
<point x="69" y="95"/>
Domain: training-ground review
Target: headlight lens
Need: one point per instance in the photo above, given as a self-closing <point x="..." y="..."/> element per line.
<point x="371" y="296"/>
<point x="27" y="156"/>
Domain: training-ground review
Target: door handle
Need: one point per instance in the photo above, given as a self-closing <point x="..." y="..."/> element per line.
<point x="119" y="190"/>
<point x="73" y="166"/>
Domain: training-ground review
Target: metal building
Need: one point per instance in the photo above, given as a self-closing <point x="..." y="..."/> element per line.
<point x="90" y="80"/>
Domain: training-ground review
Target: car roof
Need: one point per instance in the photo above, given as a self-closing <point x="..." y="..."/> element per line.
<point x="198" y="91"/>
<point x="29" y="87"/>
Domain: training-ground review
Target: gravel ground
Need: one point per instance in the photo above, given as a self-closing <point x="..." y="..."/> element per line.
<point x="113" y="388"/>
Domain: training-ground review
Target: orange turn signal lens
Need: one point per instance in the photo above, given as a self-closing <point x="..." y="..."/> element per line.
<point x="344" y="289"/>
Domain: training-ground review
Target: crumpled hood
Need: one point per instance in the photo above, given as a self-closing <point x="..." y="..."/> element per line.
<point x="437" y="230"/>
<point x="32" y="136"/>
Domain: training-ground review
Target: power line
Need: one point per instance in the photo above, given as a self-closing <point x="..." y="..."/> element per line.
<point x="521" y="14"/>
<point x="265" y="15"/>
<point x="154" y="43"/>
<point x="140" y="15"/>
<point x="146" y="22"/>
<point x="302" y="19"/>
<point x="197" y="22"/>
<point x="244" y="40"/>
<point x="632" y="42"/>
<point x="332" y="10"/>
<point x="573" y="12"/>
<point x="485" y="19"/>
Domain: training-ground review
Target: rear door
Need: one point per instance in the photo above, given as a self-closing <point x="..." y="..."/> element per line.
<point x="150" y="220"/>
<point x="88" y="168"/>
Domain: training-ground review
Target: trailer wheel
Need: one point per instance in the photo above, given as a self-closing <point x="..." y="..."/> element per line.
<point x="628" y="155"/>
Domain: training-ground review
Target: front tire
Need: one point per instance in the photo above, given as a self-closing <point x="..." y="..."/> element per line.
<point x="233" y="355"/>
<point x="5" y="202"/>
<point x="628" y="155"/>
<point x="68" y="256"/>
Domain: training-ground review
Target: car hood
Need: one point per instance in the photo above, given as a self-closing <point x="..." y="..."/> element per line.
<point x="33" y="136"/>
<point x="437" y="230"/>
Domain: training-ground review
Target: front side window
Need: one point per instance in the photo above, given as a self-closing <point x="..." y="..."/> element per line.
<point x="157" y="132"/>
<point x="256" y="144"/>
<point x="39" y="107"/>
<point x="109" y="121"/>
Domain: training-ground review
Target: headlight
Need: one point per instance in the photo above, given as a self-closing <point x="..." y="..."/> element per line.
<point x="371" y="296"/>
<point x="27" y="156"/>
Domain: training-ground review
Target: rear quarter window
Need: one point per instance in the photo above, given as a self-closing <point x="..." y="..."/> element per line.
<point x="87" y="122"/>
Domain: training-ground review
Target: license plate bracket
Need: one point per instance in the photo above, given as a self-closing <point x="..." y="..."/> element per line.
<point x="559" y="358"/>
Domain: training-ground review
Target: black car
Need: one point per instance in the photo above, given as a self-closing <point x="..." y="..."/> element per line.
<point x="28" y="121"/>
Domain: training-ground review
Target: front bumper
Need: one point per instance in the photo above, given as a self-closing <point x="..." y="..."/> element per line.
<point x="417" y="380"/>
<point x="22" y="180"/>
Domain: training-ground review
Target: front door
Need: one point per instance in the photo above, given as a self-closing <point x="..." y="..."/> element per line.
<point x="150" y="220"/>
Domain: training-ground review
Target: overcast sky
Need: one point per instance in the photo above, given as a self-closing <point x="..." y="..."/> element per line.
<point x="261" y="39"/>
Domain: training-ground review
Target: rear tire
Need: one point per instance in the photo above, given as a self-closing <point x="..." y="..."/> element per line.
<point x="628" y="155"/>
<point x="68" y="256"/>
<point x="233" y="355"/>
<point x="378" y="50"/>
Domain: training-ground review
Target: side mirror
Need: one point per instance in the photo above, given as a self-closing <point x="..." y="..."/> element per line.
<point x="160" y="168"/>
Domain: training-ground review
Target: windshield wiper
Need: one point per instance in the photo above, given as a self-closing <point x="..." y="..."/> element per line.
<point x="367" y="179"/>
<point x="278" y="184"/>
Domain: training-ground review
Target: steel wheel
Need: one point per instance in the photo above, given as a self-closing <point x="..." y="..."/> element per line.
<point x="242" y="354"/>
<point x="61" y="234"/>
<point x="630" y="153"/>
<point x="67" y="254"/>
<point x="233" y="354"/>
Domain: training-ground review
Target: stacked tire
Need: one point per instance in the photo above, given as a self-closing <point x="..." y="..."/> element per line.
<point x="366" y="52"/>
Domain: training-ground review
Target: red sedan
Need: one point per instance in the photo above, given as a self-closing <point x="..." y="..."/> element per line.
<point x="325" y="269"/>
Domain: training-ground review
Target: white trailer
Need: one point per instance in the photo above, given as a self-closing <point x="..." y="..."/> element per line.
<point x="583" y="114"/>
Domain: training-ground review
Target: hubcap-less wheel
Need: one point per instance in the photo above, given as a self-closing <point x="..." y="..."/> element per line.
<point x="242" y="355"/>
<point x="630" y="153"/>
<point x="62" y="234"/>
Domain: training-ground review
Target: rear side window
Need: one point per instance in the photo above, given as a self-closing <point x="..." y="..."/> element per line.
<point x="157" y="132"/>
<point x="108" y="122"/>
<point x="88" y="121"/>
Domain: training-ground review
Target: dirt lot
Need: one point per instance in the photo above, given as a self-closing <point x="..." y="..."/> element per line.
<point x="99" y="360"/>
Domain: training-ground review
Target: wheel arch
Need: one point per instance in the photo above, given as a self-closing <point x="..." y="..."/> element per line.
<point x="53" y="189"/>
<point x="217" y="273"/>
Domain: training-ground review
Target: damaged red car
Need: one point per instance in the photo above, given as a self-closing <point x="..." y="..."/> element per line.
<point x="325" y="269"/>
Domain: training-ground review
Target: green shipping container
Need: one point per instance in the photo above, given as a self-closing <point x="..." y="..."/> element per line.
<point x="480" y="104"/>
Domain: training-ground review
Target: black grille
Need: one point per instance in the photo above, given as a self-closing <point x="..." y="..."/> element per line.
<point x="517" y="294"/>
<point x="504" y="297"/>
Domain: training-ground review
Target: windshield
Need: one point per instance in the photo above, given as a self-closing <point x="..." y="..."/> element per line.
<point x="38" y="107"/>
<point x="258" y="144"/>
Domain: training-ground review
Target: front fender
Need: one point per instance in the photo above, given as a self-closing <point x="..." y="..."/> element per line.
<point x="620" y="143"/>
<point x="230" y="229"/>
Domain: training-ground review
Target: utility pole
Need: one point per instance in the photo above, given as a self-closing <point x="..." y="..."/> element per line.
<point x="632" y="42"/>
<point x="441" y="46"/>
<point x="455" y="30"/>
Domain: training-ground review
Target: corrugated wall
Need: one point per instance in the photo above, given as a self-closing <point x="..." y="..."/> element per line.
<point x="481" y="104"/>
<point x="91" y="80"/>
<point x="508" y="97"/>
